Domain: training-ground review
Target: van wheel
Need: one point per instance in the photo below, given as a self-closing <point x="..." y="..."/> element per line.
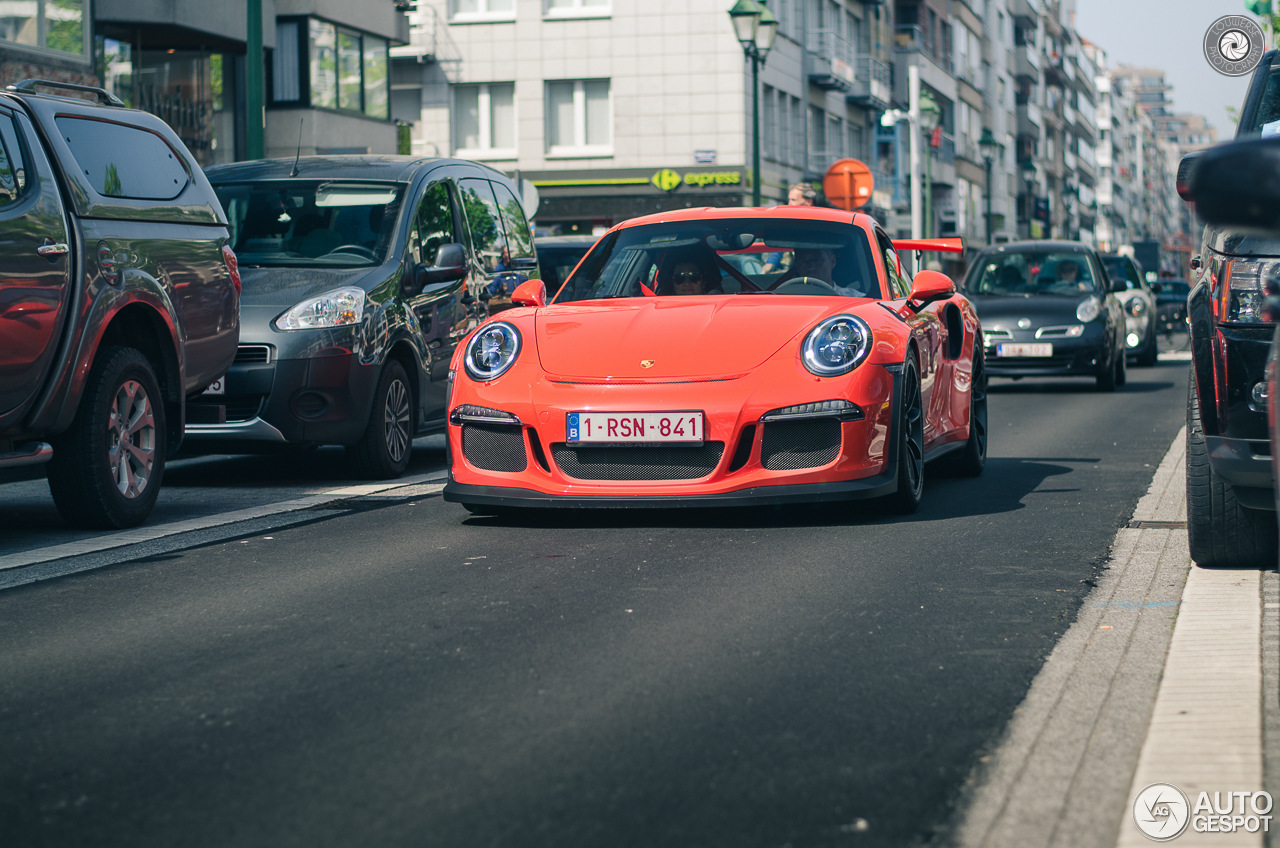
<point x="106" y="469"/>
<point x="1221" y="533"/>
<point x="383" y="452"/>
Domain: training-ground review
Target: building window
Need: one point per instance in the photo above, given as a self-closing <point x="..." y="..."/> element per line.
<point x="46" y="24"/>
<point x="482" y="9"/>
<point x="579" y="118"/>
<point x="484" y="120"/>
<point x="770" y="119"/>
<point x="335" y="68"/>
<point x="577" y="8"/>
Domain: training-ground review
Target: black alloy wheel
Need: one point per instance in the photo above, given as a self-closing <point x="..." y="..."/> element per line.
<point x="906" y="499"/>
<point x="383" y="452"/>
<point x="106" y="469"/>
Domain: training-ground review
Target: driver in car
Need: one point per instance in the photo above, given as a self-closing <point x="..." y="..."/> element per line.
<point x="817" y="263"/>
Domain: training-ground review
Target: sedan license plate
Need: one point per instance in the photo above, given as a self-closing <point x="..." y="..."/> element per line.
<point x="217" y="387"/>
<point x="1039" y="349"/>
<point x="629" y="428"/>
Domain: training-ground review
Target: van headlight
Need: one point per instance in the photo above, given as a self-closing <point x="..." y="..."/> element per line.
<point x="836" y="346"/>
<point x="491" y="351"/>
<point x="337" y="308"/>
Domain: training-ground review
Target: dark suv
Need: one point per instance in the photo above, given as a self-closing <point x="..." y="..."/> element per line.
<point x="361" y="275"/>
<point x="119" y="297"/>
<point x="1230" y="484"/>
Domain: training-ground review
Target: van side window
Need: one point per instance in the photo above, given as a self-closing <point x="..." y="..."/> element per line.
<point x="485" y="222"/>
<point x="432" y="225"/>
<point x="12" y="172"/>
<point x="519" y="239"/>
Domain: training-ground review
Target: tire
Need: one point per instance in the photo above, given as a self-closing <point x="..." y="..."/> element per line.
<point x="106" y="469"/>
<point x="1122" y="367"/>
<point x="906" y="499"/>
<point x="1221" y="532"/>
<point x="971" y="461"/>
<point x="1151" y="352"/>
<point x="383" y="451"/>
<point x="1108" y="378"/>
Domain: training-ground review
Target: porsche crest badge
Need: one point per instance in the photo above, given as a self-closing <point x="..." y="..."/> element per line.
<point x="646" y="363"/>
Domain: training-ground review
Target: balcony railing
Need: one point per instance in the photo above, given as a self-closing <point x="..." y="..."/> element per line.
<point x="910" y="39"/>
<point x="871" y="83"/>
<point x="426" y="32"/>
<point x="830" y="60"/>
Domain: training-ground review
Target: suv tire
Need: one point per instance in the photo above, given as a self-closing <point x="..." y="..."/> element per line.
<point x="106" y="469"/>
<point x="1221" y="532"/>
<point x="383" y="452"/>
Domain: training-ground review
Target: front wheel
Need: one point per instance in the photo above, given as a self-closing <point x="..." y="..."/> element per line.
<point x="906" y="499"/>
<point x="106" y="469"/>
<point x="383" y="452"/>
<point x="1221" y="533"/>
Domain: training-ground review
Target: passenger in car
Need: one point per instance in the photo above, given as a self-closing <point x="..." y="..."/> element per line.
<point x="689" y="272"/>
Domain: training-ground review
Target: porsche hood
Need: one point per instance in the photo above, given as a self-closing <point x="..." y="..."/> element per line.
<point x="669" y="338"/>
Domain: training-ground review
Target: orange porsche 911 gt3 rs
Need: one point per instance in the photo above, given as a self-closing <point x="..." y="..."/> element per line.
<point x="721" y="357"/>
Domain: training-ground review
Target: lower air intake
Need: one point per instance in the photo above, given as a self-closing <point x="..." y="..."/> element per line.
<point x="637" y="463"/>
<point x="792" y="445"/>
<point x="494" y="447"/>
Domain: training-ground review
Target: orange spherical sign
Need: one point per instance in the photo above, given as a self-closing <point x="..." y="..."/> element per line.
<point x="848" y="184"/>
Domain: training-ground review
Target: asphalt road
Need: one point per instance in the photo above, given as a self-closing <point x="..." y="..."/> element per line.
<point x="409" y="675"/>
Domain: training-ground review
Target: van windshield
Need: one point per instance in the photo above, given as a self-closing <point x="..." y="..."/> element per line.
<point x="311" y="223"/>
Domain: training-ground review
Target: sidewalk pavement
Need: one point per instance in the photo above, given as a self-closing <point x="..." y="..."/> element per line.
<point x="1165" y="678"/>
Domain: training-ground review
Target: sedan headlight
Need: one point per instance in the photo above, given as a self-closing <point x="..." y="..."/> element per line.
<point x="1243" y="294"/>
<point x="1088" y="310"/>
<point x="337" y="308"/>
<point x="492" y="350"/>
<point x="1137" y="307"/>
<point x="836" y="346"/>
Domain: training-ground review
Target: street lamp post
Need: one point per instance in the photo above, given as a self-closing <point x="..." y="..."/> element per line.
<point x="755" y="26"/>
<point x="930" y="117"/>
<point x="988" y="145"/>
<point x="1029" y="175"/>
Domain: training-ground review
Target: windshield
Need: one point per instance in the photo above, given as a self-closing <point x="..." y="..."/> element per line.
<point x="748" y="256"/>
<point x="1266" y="121"/>
<point x="1031" y="274"/>
<point x="1120" y="269"/>
<point x="303" y="223"/>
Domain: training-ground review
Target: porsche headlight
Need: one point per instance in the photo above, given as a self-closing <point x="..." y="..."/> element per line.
<point x="1089" y="310"/>
<point x="836" y="346"/>
<point x="1243" y="294"/>
<point x="337" y="308"/>
<point x="492" y="350"/>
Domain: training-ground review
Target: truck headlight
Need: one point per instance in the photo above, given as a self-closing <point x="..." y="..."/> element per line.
<point x="1242" y="296"/>
<point x="337" y="308"/>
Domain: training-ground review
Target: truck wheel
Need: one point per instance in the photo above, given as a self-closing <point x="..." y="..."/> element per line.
<point x="383" y="452"/>
<point x="106" y="469"/>
<point x="1221" y="532"/>
<point x="906" y="499"/>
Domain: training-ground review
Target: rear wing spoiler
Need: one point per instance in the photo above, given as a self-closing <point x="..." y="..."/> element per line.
<point x="943" y="245"/>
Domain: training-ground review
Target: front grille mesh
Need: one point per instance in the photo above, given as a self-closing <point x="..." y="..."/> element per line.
<point x="494" y="447"/>
<point x="637" y="462"/>
<point x="791" y="445"/>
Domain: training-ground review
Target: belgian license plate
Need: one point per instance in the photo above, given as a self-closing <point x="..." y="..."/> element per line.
<point x="629" y="428"/>
<point x="1040" y="349"/>
<point x="217" y="387"/>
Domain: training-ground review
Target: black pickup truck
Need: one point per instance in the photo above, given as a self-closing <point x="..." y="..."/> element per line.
<point x="119" y="297"/>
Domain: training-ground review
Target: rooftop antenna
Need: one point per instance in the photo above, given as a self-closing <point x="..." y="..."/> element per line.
<point x="294" y="172"/>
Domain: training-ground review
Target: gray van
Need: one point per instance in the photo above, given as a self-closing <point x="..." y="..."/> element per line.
<point x="361" y="274"/>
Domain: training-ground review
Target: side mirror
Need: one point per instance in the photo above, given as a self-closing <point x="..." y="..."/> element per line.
<point x="524" y="263"/>
<point x="1183" y="181"/>
<point x="451" y="265"/>
<point x="1118" y="286"/>
<point x="931" y="285"/>
<point x="1238" y="184"/>
<point x="530" y="293"/>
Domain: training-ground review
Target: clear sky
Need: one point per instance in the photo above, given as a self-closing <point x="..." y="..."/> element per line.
<point x="1168" y="34"/>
